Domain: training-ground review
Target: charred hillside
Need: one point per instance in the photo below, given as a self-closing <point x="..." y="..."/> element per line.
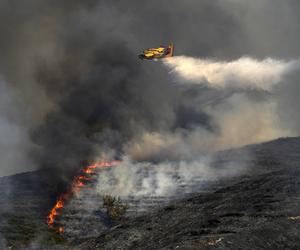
<point x="258" y="210"/>
<point x="256" y="213"/>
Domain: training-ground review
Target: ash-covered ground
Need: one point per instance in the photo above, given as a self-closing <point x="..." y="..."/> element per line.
<point x="256" y="210"/>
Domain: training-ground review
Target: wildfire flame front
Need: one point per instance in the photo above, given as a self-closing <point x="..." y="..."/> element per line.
<point x="78" y="183"/>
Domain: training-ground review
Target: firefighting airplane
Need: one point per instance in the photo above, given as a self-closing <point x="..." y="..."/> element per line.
<point x="158" y="53"/>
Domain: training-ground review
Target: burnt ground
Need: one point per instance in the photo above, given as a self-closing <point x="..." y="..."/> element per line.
<point x="260" y="213"/>
<point x="258" y="210"/>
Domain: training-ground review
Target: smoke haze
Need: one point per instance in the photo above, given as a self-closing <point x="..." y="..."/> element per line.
<point x="72" y="69"/>
<point x="144" y="179"/>
<point x="15" y="143"/>
<point x="238" y="121"/>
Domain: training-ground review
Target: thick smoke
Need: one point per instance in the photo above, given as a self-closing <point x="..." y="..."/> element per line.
<point x="14" y="144"/>
<point x="3" y="244"/>
<point x="73" y="66"/>
<point x="270" y="27"/>
<point x="238" y="121"/>
<point x="288" y="101"/>
<point x="245" y="72"/>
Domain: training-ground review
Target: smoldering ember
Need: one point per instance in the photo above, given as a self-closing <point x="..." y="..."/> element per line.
<point x="149" y="124"/>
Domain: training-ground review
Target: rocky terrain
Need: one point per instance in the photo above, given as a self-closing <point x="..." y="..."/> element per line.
<point x="258" y="210"/>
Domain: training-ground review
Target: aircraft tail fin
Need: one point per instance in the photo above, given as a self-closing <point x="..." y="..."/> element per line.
<point x="171" y="50"/>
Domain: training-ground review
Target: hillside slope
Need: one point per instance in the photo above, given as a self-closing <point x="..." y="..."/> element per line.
<point x="261" y="210"/>
<point x="258" y="210"/>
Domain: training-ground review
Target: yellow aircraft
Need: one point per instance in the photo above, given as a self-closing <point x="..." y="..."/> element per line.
<point x="158" y="53"/>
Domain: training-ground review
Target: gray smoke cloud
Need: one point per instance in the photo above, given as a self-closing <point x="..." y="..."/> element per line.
<point x="3" y="242"/>
<point x="236" y="127"/>
<point x="270" y="27"/>
<point x="15" y="143"/>
<point x="73" y="67"/>
<point x="288" y="101"/>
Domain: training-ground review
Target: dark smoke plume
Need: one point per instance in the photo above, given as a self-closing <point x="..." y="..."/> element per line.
<point x="83" y="91"/>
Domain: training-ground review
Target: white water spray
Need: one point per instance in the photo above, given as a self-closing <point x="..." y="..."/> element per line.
<point x="245" y="72"/>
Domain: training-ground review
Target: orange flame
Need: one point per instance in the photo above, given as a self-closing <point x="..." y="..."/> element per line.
<point x="78" y="183"/>
<point x="54" y="211"/>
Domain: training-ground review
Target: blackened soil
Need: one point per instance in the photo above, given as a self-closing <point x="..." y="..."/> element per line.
<point x="260" y="210"/>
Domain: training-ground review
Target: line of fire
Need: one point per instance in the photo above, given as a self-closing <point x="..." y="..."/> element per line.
<point x="86" y="175"/>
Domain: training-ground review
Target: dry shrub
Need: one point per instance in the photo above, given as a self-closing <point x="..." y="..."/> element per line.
<point x="115" y="208"/>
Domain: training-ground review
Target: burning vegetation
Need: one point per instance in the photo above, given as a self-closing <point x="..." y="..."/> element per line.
<point x="79" y="182"/>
